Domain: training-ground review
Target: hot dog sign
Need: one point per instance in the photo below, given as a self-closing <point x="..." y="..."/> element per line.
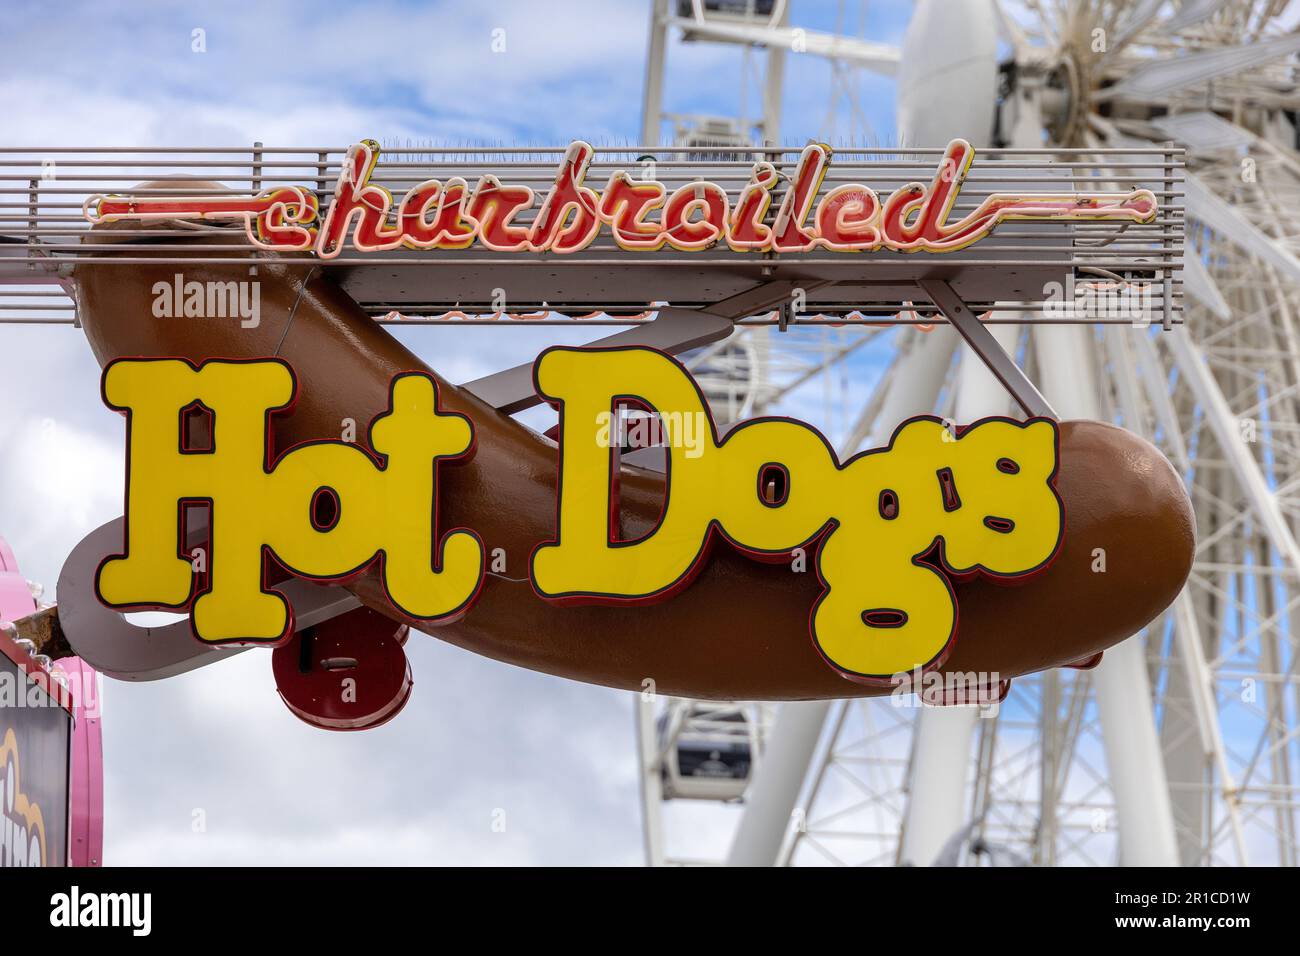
<point x="891" y="523"/>
<point x="751" y="562"/>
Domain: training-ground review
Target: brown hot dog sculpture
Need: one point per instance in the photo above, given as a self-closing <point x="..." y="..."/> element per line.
<point x="740" y="630"/>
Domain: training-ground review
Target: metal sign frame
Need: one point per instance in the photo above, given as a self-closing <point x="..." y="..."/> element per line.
<point x="670" y="299"/>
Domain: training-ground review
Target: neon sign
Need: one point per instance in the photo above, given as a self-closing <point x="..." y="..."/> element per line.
<point x="889" y="528"/>
<point x="641" y="215"/>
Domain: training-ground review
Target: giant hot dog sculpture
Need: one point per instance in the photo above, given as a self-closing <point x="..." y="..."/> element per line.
<point x="738" y="628"/>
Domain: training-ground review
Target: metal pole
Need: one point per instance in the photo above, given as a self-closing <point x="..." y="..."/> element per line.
<point x="774" y="86"/>
<point x="1137" y="771"/>
<point x="652" y="100"/>
<point x="651" y="783"/>
<point x="772" y="796"/>
<point x="936" y="801"/>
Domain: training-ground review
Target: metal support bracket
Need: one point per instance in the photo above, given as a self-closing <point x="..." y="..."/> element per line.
<point x="674" y="330"/>
<point x="990" y="352"/>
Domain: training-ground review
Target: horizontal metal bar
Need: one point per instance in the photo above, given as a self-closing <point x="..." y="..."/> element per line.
<point x="829" y="311"/>
<point x="1145" y="253"/>
<point x="1145" y="262"/>
<point x="837" y="322"/>
<point x="857" y="300"/>
<point x="58" y="204"/>
<point x="524" y="259"/>
<point x="1145" y="233"/>
<point x="594" y="176"/>
<point x="249" y="150"/>
<point x="620" y="312"/>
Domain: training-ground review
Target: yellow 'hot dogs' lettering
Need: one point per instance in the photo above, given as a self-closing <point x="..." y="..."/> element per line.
<point x="888" y="528"/>
<point x="897" y="521"/>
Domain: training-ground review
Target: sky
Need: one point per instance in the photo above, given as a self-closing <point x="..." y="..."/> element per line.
<point x="488" y="763"/>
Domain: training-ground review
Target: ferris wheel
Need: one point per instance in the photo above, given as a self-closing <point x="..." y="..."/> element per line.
<point x="1179" y="747"/>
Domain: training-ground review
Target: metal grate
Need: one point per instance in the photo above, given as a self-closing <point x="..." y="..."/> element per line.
<point x="1023" y="268"/>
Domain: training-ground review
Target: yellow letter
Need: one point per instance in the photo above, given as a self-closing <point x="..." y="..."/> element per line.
<point x="985" y="498"/>
<point x="586" y="384"/>
<point x="154" y="571"/>
<point x="377" y="509"/>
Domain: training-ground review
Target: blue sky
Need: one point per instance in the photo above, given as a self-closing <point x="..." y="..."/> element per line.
<point x="478" y="737"/>
<point x="324" y="72"/>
